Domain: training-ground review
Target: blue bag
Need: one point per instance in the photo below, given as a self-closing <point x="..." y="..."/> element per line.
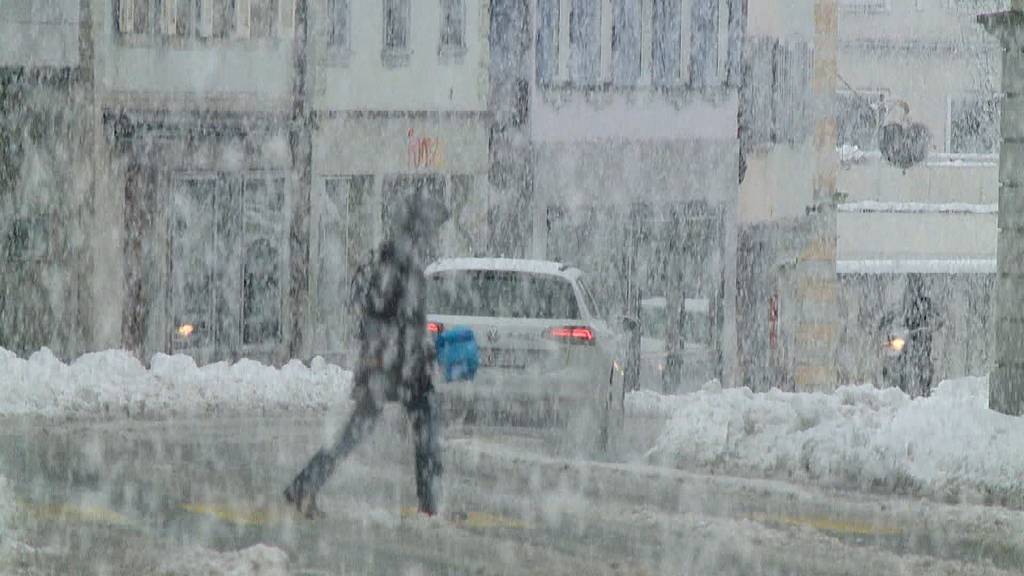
<point x="457" y="353"/>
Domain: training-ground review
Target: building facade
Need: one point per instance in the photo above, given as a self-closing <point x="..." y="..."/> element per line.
<point x="400" y="103"/>
<point x="931" y="63"/>
<point x="45" y="179"/>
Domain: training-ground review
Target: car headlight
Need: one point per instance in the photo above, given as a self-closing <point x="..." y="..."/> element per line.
<point x="896" y="344"/>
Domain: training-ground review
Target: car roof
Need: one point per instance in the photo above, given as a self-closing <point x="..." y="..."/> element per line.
<point x="505" y="265"/>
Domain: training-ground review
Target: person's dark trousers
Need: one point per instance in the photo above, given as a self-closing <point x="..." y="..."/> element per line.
<point x="422" y="410"/>
<point x="309" y="481"/>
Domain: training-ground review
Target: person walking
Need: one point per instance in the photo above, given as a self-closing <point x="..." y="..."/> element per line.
<point x="395" y="355"/>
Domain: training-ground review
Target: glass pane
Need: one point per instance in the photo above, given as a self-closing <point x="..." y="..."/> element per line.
<point x="547" y="40"/>
<point x="338" y="13"/>
<point x="192" y="263"/>
<point x="666" y="42"/>
<point x="501" y="294"/>
<point x="452" y="25"/>
<point x="263" y="260"/>
<point x="585" y="41"/>
<point x="396" y="24"/>
<point x="626" y="42"/>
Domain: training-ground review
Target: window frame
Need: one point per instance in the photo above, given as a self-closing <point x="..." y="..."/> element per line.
<point x="338" y="52"/>
<point x="395" y="56"/>
<point x="618" y="77"/>
<point x="452" y="53"/>
<point x="584" y="59"/>
<point x="976" y="97"/>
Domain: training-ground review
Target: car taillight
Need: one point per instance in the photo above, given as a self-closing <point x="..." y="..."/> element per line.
<point x="435" y="327"/>
<point x="572" y="334"/>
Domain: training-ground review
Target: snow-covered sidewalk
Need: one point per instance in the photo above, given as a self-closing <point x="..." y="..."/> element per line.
<point x="949" y="445"/>
<point x="115" y="383"/>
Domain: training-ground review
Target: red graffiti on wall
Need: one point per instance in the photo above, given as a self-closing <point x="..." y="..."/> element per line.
<point x="425" y="152"/>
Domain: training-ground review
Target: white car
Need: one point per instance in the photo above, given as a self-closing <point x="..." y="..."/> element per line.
<point x="541" y="333"/>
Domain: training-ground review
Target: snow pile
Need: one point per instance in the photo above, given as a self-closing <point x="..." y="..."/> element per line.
<point x="115" y="382"/>
<point x="258" y="560"/>
<point x="948" y="445"/>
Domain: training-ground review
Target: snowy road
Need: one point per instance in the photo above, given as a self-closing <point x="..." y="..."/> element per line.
<point x="178" y="496"/>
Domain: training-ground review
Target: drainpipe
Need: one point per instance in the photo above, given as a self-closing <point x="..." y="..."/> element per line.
<point x="1006" y="383"/>
<point x="815" y="270"/>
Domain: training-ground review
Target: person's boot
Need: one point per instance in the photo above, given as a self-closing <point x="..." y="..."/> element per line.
<point x="304" y="502"/>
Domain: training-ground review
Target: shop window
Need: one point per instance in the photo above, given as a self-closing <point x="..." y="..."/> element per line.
<point x="338" y="16"/>
<point x="547" y="41"/>
<point x="974" y="125"/>
<point x="263" y="261"/>
<point x="193" y="263"/>
<point x="858" y="118"/>
<point x="396" y="32"/>
<point x="585" y="41"/>
<point x="453" y="28"/>
<point x="667" y="36"/>
<point x="626" y="33"/>
<point x="345" y="241"/>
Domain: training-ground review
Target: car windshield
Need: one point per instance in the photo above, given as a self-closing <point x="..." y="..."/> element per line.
<point x="501" y="294"/>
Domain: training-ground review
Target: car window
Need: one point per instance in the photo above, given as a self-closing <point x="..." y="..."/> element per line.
<point x="596" y="309"/>
<point x="501" y="294"/>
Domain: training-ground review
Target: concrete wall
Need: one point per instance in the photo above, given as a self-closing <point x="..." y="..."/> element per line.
<point x="39" y="33"/>
<point x="359" y="79"/>
<point x="164" y="72"/>
<point x="926" y="53"/>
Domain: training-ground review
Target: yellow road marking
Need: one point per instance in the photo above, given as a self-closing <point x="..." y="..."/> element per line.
<point x="235" y="515"/>
<point x="832" y="525"/>
<point x="75" y="513"/>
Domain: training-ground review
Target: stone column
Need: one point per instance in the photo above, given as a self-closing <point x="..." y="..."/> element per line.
<point x="1006" y="391"/>
<point x="817" y="288"/>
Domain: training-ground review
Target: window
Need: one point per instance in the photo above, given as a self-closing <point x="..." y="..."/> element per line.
<point x="262" y="266"/>
<point x="858" y="118"/>
<point x="626" y="32"/>
<point x="585" y="41"/>
<point x="396" y="32"/>
<point x="193" y="261"/>
<point x="501" y="294"/>
<point x="453" y="27"/>
<point x="187" y="18"/>
<point x="974" y="125"/>
<point x="665" y="48"/>
<point x="547" y="41"/>
<point x="338" y="24"/>
<point x="263" y="18"/>
<point x="704" y="42"/>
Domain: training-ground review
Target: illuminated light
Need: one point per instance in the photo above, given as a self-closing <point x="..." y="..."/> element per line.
<point x="435" y="327"/>
<point x="186" y="330"/>
<point x="897" y="344"/>
<point x="576" y="334"/>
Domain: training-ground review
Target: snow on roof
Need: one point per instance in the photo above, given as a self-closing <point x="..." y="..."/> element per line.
<point x="947" y="266"/>
<point x="503" y="265"/>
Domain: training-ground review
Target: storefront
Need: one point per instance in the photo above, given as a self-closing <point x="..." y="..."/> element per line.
<point x="362" y="165"/>
<point x="206" y="251"/>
